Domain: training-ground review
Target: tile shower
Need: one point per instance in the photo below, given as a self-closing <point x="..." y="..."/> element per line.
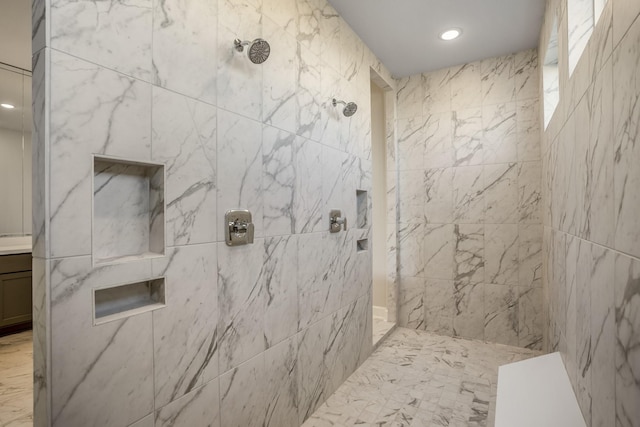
<point x="147" y="134"/>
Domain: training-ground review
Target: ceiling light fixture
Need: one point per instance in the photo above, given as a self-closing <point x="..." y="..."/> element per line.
<point x="451" y="34"/>
<point x="7" y="106"/>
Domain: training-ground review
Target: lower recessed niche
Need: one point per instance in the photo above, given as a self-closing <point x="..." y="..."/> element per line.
<point x="126" y="300"/>
<point x="128" y="210"/>
<point x="363" y="245"/>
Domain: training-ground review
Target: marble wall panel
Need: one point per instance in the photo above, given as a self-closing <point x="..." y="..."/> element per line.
<point x="476" y="224"/>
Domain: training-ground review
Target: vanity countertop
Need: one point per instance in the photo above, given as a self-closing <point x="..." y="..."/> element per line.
<point x="15" y="245"/>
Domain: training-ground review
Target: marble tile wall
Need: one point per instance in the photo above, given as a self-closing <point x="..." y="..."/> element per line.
<point x="591" y="246"/>
<point x="256" y="335"/>
<point x="469" y="211"/>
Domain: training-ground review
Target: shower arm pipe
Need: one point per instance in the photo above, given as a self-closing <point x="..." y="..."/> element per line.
<point x="239" y="44"/>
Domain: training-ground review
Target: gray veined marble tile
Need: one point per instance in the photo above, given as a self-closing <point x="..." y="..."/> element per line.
<point x="279" y="78"/>
<point x="116" y="36"/>
<point x="93" y="111"/>
<point x="501" y="313"/>
<point x="601" y="160"/>
<point x="307" y="197"/>
<point x="468" y="137"/>
<point x="499" y="144"/>
<point x="411" y="311"/>
<point x="627" y="324"/>
<point x="309" y="94"/>
<point x="184" y="139"/>
<point x="469" y="253"/>
<point x="469" y="194"/>
<point x="329" y="26"/>
<point x="186" y="348"/>
<point x="352" y="57"/>
<point x="199" y="407"/>
<point x="184" y="47"/>
<point x="240" y="168"/>
<point x="526" y="74"/>
<point x="530" y="255"/>
<point x="411" y="146"/>
<point x="243" y="398"/>
<point x="412" y="195"/>
<point x="437" y="92"/>
<point x="602" y="337"/>
<point x="498" y="80"/>
<point x="438" y="138"/>
<point x="85" y="375"/>
<point x="584" y="348"/>
<point x="624" y="14"/>
<point x="318" y="293"/>
<point x="278" y="180"/>
<point x="530" y="318"/>
<point x="501" y="253"/>
<point x="466" y="90"/>
<point x="528" y="129"/>
<point x="626" y="113"/>
<point x="438" y="252"/>
<point x="468" y="317"/>
<point x="239" y="81"/>
<point x="439" y="304"/>
<point x="242" y="300"/>
<point x="281" y="388"/>
<point x="317" y="351"/>
<point x="280" y="274"/>
<point x="438" y="200"/>
<point x="571" y="277"/>
<point x="410" y="96"/>
<point x="285" y="13"/>
<point x="529" y="192"/>
<point x="148" y="421"/>
<point x="501" y="193"/>
<point x="411" y="238"/>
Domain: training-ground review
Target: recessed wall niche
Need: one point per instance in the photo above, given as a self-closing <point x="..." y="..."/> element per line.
<point x="362" y="209"/>
<point x="128" y="210"/>
<point x="127" y="300"/>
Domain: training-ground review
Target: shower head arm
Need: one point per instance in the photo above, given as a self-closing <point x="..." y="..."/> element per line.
<point x="239" y="44"/>
<point x="335" y="102"/>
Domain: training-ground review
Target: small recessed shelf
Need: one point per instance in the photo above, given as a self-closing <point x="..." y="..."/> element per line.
<point x="362" y="208"/>
<point x="122" y="301"/>
<point x="362" y="245"/>
<point x="128" y="210"/>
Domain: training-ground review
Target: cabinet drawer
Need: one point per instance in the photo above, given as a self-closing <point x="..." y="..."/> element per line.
<point x="15" y="263"/>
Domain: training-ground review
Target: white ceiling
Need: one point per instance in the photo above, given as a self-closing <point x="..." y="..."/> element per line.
<point x="403" y="34"/>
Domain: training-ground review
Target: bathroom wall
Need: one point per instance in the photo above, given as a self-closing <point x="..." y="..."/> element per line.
<point x="256" y="335"/>
<point x="590" y="212"/>
<point x="469" y="183"/>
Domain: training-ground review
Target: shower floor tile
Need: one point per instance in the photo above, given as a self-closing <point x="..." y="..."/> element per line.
<point x="417" y="379"/>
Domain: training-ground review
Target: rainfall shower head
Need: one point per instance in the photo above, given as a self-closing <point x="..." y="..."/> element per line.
<point x="259" y="49"/>
<point x="349" y="109"/>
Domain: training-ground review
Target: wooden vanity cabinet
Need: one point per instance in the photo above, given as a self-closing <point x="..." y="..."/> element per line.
<point x="15" y="292"/>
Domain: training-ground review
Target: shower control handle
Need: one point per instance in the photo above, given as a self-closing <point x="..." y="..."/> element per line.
<point x="336" y="221"/>
<point x="239" y="229"/>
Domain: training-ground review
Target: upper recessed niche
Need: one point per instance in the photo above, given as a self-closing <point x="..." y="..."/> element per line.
<point x="128" y="210"/>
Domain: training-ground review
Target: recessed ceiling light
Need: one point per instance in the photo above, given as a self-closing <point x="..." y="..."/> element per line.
<point x="451" y="34"/>
<point x="7" y="106"/>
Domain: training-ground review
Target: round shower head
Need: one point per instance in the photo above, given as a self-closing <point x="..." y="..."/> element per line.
<point x="259" y="49"/>
<point x="349" y="109"/>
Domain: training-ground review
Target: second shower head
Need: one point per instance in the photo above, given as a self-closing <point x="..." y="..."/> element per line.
<point x="258" y="52"/>
<point x="349" y="109"/>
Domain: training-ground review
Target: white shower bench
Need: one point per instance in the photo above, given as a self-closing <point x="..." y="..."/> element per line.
<point x="536" y="393"/>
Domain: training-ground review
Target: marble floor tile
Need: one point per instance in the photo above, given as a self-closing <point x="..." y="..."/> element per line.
<point x="415" y="379"/>
<point x="16" y="387"/>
